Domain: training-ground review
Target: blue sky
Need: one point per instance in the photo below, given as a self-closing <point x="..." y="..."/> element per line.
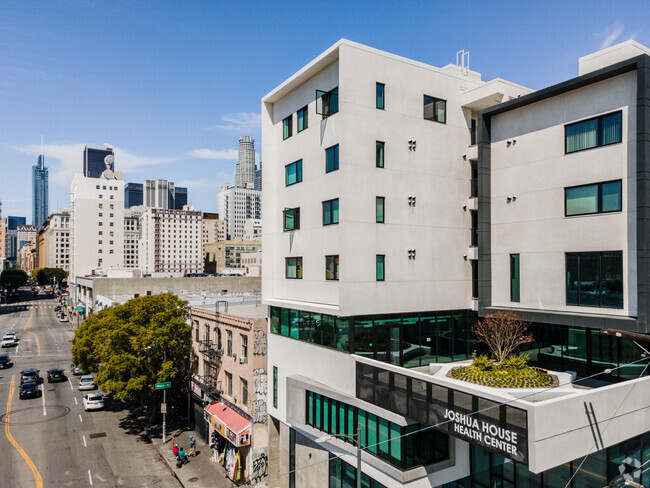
<point x="172" y="85"/>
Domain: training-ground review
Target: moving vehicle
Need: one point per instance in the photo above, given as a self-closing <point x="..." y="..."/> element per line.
<point x="76" y="370"/>
<point x="9" y="341"/>
<point x="29" y="389"/>
<point x="55" y="374"/>
<point x="93" y="401"/>
<point x="29" y="375"/>
<point x="57" y="308"/>
<point x="63" y="318"/>
<point x="5" y="362"/>
<point x="87" y="382"/>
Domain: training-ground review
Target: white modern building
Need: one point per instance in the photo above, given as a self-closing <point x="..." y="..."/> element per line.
<point x="404" y="201"/>
<point x="235" y="205"/>
<point x="171" y="241"/>
<point x="58" y="240"/>
<point x="97" y="225"/>
<point x="253" y="230"/>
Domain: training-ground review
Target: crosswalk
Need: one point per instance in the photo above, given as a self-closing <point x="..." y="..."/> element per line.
<point x="18" y="308"/>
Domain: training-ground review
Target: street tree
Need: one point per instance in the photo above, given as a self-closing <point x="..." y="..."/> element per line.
<point x="48" y="276"/>
<point x="13" y="278"/>
<point x="503" y="332"/>
<point x="125" y="346"/>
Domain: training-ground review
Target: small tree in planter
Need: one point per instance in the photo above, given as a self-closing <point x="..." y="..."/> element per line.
<point x="503" y="332"/>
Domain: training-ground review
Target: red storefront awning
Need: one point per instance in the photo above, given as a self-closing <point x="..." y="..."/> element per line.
<point x="229" y="424"/>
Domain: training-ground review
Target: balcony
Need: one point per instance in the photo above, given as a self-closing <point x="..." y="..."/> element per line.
<point x="209" y="350"/>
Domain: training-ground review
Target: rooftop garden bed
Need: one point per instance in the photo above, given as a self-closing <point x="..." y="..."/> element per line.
<point x="512" y="372"/>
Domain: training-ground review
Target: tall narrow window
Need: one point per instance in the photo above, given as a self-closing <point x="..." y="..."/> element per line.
<point x="474" y="181"/>
<point x="302" y="119"/>
<point x="287" y="127"/>
<point x="514" y="277"/>
<point x="291" y="218"/>
<point x="379" y="157"/>
<point x="379" y="206"/>
<point x="474" y="230"/>
<point x="435" y="109"/>
<point x="244" y="391"/>
<point x="380" y="95"/>
<point x="472" y="133"/>
<point x="380" y="261"/>
<point x="474" y="264"/>
<point x="229" y="383"/>
<point x="598" y="131"/>
<point x="293" y="268"/>
<point x="293" y="173"/>
<point x="292" y="458"/>
<point x="331" y="267"/>
<point x="275" y="387"/>
<point x="331" y="212"/>
<point x="244" y="346"/>
<point x="332" y="158"/>
<point x="229" y="342"/>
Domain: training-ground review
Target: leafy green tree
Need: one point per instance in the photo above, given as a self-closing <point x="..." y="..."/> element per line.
<point x="13" y="278"/>
<point x="34" y="273"/>
<point x="46" y="276"/>
<point x="125" y="345"/>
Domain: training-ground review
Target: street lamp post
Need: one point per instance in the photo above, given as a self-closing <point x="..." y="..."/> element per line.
<point x="357" y="438"/>
<point x="164" y="432"/>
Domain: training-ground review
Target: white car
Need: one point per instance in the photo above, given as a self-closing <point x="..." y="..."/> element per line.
<point x="93" y="401"/>
<point x="9" y="341"/>
<point x="63" y="318"/>
<point x="87" y="382"/>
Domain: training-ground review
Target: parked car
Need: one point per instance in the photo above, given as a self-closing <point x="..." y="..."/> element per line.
<point x="87" y="382"/>
<point x="9" y="341"/>
<point x="28" y="375"/>
<point x="63" y="318"/>
<point x="5" y="362"/>
<point x="76" y="370"/>
<point x="55" y="374"/>
<point x="93" y="401"/>
<point x="29" y="389"/>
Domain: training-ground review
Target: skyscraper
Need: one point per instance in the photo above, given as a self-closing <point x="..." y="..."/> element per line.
<point x="133" y="195"/>
<point x="155" y="194"/>
<point x="96" y="162"/>
<point x="39" y="192"/>
<point x="245" y="171"/>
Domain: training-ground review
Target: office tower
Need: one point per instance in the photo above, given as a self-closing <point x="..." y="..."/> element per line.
<point x="429" y="199"/>
<point x="171" y="241"/>
<point x="180" y="198"/>
<point x="258" y="177"/>
<point x="12" y="236"/>
<point x="98" y="159"/>
<point x="235" y="205"/>
<point x="245" y="170"/>
<point x="133" y="195"/>
<point x="40" y="192"/>
<point x="97" y="222"/>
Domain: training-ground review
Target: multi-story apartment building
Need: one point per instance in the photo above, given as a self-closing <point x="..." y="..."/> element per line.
<point x="231" y="376"/>
<point x="235" y="205"/>
<point x="228" y="254"/>
<point x="214" y="228"/>
<point x="253" y="230"/>
<point x="97" y="225"/>
<point x="57" y="240"/>
<point x="171" y="241"/>
<point x="389" y="231"/>
<point x="131" y="238"/>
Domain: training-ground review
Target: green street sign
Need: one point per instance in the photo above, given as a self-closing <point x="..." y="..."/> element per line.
<point x="80" y="309"/>
<point x="68" y="300"/>
<point x="164" y="385"/>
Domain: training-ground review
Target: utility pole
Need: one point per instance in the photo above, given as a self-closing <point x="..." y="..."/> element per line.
<point x="164" y="437"/>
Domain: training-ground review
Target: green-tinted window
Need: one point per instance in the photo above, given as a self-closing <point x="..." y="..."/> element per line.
<point x="380" y="95"/>
<point x="332" y="158"/>
<point x="286" y="127"/>
<point x="331" y="212"/>
<point x="275" y="387"/>
<point x="379" y="209"/>
<point x="435" y="109"/>
<point x="383" y="440"/>
<point x="363" y="427"/>
<point x="373" y="433"/>
<point x="310" y="408"/>
<point x="594" y="198"/>
<point x="294" y="321"/>
<point x="341" y="417"/>
<point x="292" y="218"/>
<point x="395" y="443"/>
<point x="318" y="422"/>
<point x="275" y="320"/>
<point x="379" y="156"/>
<point x="327" y="103"/>
<point x="514" y="277"/>
<point x="326" y="414"/>
<point x="293" y="173"/>
<point x="599" y="131"/>
<point x="302" y="119"/>
<point x="293" y="268"/>
<point x="380" y="267"/>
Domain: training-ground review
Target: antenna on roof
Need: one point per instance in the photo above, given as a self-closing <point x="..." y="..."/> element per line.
<point x="464" y="61"/>
<point x="42" y="153"/>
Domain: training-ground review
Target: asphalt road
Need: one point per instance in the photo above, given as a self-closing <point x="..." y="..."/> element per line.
<point x="51" y="441"/>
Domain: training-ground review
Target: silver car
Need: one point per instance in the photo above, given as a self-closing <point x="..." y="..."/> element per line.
<point x="87" y="382"/>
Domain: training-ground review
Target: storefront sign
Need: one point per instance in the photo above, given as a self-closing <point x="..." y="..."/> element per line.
<point x="218" y="426"/>
<point x="196" y="389"/>
<point x="245" y="438"/>
<point x="231" y="436"/>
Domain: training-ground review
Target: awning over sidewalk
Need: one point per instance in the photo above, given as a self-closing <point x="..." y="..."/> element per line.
<point x="229" y="424"/>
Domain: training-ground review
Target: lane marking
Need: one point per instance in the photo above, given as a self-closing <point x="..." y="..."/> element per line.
<point x="38" y="344"/>
<point x="43" y="398"/>
<point x="90" y="478"/>
<point x="75" y="401"/>
<point x="70" y="383"/>
<point x="37" y="476"/>
<point x="80" y="419"/>
<point x="85" y="442"/>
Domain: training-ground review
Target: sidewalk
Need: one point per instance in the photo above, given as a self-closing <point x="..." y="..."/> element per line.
<point x="199" y="472"/>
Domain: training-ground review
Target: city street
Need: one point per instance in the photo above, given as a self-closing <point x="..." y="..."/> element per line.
<point x="51" y="441"/>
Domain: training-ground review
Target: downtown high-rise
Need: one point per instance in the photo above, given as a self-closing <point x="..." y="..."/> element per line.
<point x="39" y="192"/>
<point x="245" y="170"/>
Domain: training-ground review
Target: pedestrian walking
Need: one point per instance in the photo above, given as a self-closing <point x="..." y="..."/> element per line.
<point x="182" y="458"/>
<point x="192" y="446"/>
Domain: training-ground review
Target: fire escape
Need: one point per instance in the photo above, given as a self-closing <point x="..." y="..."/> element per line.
<point x="212" y="357"/>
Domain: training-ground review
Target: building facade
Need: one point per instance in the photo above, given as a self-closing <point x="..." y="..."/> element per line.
<point x="40" y="192"/>
<point x="228" y="254"/>
<point x="97" y="225"/>
<point x="253" y="230"/>
<point x="235" y="205"/>
<point x="214" y="228"/>
<point x="57" y="231"/>
<point x="252" y="263"/>
<point x="245" y="169"/>
<point x="171" y="241"/>
<point x="131" y="238"/>
<point x="25" y="233"/>
<point x="133" y="195"/>
<point x="96" y="160"/>
<point x="402" y="216"/>
<point x="231" y="378"/>
<point x="155" y="194"/>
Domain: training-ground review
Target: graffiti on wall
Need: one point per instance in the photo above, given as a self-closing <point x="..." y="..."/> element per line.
<point x="259" y="344"/>
<point x="260" y="387"/>
<point x="259" y="411"/>
<point x="260" y="466"/>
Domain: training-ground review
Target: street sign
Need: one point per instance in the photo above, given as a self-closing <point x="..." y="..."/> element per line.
<point x="163" y="408"/>
<point x="80" y="309"/>
<point x="164" y="385"/>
